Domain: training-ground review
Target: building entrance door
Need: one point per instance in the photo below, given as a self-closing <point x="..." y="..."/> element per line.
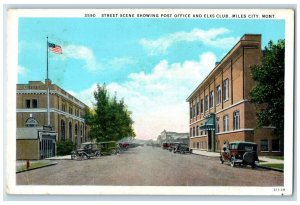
<point x="47" y="146"/>
<point x="209" y="140"/>
<point x="47" y="139"/>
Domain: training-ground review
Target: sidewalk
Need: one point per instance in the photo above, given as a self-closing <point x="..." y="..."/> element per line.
<point x="206" y="153"/>
<point x="66" y="157"/>
<point x="263" y="160"/>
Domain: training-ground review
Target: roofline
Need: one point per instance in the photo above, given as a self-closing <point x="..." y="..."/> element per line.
<point x="53" y="85"/>
<point x="220" y="63"/>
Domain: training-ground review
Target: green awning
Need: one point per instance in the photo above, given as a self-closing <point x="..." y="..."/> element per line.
<point x="209" y="124"/>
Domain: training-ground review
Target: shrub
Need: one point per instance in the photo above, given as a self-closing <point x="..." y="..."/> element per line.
<point x="65" y="147"/>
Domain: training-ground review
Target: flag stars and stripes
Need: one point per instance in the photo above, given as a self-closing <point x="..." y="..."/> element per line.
<point x="55" y="48"/>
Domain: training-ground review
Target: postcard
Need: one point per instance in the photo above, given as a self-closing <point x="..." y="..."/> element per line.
<point x="149" y="102"/>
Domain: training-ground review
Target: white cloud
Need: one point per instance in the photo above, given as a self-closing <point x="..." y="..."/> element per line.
<point x="83" y="53"/>
<point x="157" y="99"/>
<point x="86" y="96"/>
<point x="207" y="37"/>
<point x="120" y="62"/>
<point x="22" y="70"/>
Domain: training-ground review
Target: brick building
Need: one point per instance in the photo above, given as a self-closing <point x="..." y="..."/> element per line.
<point x="167" y="136"/>
<point x="66" y="112"/>
<point x="220" y="109"/>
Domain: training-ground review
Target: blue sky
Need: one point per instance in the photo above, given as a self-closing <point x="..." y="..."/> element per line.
<point x="154" y="64"/>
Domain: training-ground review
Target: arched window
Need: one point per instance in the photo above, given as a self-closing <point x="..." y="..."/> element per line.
<point x="70" y="131"/>
<point x="76" y="133"/>
<point x="62" y="130"/>
<point x="31" y="122"/>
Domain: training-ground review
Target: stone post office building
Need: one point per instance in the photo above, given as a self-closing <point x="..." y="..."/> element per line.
<point x="220" y="109"/>
<point x="66" y="118"/>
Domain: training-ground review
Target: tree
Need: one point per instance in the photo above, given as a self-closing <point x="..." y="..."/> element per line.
<point x="110" y="118"/>
<point x="268" y="95"/>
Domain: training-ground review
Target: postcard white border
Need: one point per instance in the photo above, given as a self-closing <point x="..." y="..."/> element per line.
<point x="10" y="118"/>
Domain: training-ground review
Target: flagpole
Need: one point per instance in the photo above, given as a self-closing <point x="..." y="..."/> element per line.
<point x="48" y="89"/>
<point x="47" y="58"/>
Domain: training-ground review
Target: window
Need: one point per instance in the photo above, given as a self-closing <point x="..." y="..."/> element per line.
<point x="31" y="103"/>
<point x="70" y="131"/>
<point x="211" y="99"/>
<point x="191" y="113"/>
<point x="193" y="131"/>
<point x="206" y="103"/>
<point x="201" y="132"/>
<point x="197" y="130"/>
<point x="276" y="145"/>
<point x="219" y="95"/>
<point x="201" y="105"/>
<point x="31" y="122"/>
<point x="62" y="130"/>
<point x="225" y="89"/>
<point x="197" y="108"/>
<point x="236" y="120"/>
<point x="225" y="123"/>
<point x="27" y="103"/>
<point x="34" y="103"/>
<point x="194" y="110"/>
<point x="197" y="145"/>
<point x="217" y="124"/>
<point x="264" y="145"/>
<point x="194" y="145"/>
<point x="63" y="106"/>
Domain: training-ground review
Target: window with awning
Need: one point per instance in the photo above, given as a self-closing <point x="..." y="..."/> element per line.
<point x="209" y="124"/>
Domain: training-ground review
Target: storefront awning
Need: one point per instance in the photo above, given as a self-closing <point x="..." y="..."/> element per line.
<point x="209" y="124"/>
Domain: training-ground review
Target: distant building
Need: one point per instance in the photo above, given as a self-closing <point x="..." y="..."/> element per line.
<point x="66" y="116"/>
<point x="220" y="109"/>
<point x="167" y="136"/>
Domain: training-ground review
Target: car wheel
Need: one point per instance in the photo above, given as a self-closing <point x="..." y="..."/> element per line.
<point x="97" y="154"/>
<point x="84" y="156"/>
<point x="221" y="160"/>
<point x="232" y="161"/>
<point x="114" y="151"/>
<point x="248" y="157"/>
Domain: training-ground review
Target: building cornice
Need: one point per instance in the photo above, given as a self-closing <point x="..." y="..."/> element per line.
<point x="240" y="44"/>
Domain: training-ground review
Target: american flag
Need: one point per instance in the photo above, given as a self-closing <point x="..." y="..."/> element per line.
<point x="55" y="48"/>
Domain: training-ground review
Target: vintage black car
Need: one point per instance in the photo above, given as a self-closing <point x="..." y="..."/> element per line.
<point x="240" y="153"/>
<point x="182" y="148"/>
<point x="109" y="147"/>
<point x="86" y="151"/>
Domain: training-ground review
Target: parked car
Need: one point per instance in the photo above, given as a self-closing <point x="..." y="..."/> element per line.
<point x="240" y="153"/>
<point x="166" y="145"/>
<point x="86" y="151"/>
<point x="182" y="148"/>
<point x="109" y="147"/>
<point x="172" y="146"/>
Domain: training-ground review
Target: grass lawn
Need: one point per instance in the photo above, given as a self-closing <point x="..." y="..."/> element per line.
<point x="276" y="166"/>
<point x="277" y="157"/>
<point x="32" y="166"/>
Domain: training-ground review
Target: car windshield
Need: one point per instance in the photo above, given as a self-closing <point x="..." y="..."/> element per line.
<point x="248" y="148"/>
<point x="85" y="146"/>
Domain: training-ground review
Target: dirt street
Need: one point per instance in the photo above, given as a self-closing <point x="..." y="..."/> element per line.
<point x="150" y="166"/>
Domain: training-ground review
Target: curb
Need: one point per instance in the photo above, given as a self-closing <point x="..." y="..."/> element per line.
<point x="48" y="165"/>
<point x="205" y="155"/>
<point x="269" y="168"/>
